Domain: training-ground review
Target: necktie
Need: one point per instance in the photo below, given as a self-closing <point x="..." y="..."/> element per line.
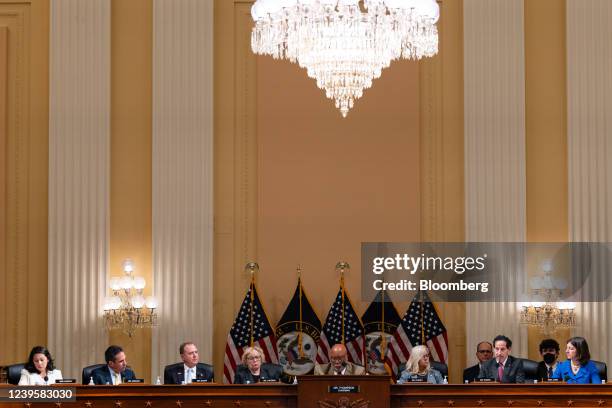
<point x="190" y="375"/>
<point x="550" y="372"/>
<point x="117" y="378"/>
<point x="500" y="372"/>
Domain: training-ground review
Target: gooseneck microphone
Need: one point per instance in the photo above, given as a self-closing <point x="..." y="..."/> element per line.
<point x="46" y="379"/>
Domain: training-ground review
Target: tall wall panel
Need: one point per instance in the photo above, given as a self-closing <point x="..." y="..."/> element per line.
<point x="589" y="109"/>
<point x="79" y="138"/>
<point x="182" y="177"/>
<point x="494" y="114"/>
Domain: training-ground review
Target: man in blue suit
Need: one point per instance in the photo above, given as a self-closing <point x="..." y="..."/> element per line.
<point x="115" y="372"/>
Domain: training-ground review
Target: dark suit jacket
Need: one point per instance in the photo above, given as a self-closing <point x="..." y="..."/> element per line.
<point x="268" y="372"/>
<point x="471" y="373"/>
<point x="175" y="373"/>
<point x="101" y="376"/>
<point x="543" y="371"/>
<point x="513" y="370"/>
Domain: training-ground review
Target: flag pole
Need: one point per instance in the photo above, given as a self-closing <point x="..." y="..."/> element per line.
<point x="422" y="319"/>
<point x="342" y="266"/>
<point x="251" y="267"/>
<point x="300" y="350"/>
<point x="383" y="339"/>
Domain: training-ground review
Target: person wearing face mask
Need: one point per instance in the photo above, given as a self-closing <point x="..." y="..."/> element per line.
<point x="578" y="368"/>
<point x="503" y="367"/>
<point x="549" y="350"/>
<point x="339" y="364"/>
<point x="39" y="369"/>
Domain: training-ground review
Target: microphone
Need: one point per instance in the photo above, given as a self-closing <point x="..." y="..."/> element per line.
<point x="46" y="379"/>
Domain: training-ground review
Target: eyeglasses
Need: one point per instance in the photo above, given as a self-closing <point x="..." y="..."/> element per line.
<point x="252" y="358"/>
<point x="484" y="351"/>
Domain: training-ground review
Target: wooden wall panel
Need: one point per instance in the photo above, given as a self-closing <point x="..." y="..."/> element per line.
<point x="24" y="283"/>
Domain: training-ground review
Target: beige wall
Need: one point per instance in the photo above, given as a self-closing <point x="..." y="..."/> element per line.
<point x="297" y="184"/>
<point x="131" y="172"/>
<point x="24" y="158"/>
<point x="546" y="132"/>
<point x="294" y="182"/>
<point x="326" y="184"/>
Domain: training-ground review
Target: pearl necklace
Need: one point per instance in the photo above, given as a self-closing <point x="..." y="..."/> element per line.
<point x="575" y="367"/>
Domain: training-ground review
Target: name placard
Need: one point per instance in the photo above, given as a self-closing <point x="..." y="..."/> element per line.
<point x="485" y="380"/>
<point x="66" y="381"/>
<point x="343" y="389"/>
<point x="135" y="381"/>
<point x="553" y="380"/>
<point x="416" y="380"/>
<point x="268" y="380"/>
<point x="199" y="380"/>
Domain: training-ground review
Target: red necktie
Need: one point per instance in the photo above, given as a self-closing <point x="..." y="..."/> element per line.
<point x="500" y="372"/>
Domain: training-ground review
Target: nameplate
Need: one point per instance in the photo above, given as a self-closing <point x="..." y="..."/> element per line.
<point x="416" y="380"/>
<point x="199" y="380"/>
<point x="343" y="389"/>
<point x="66" y="381"/>
<point x="485" y="380"/>
<point x="553" y="380"/>
<point x="268" y="380"/>
<point x="135" y="381"/>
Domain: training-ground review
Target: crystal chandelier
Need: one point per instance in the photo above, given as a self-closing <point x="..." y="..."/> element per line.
<point x="549" y="315"/>
<point x="128" y="309"/>
<point x="345" y="44"/>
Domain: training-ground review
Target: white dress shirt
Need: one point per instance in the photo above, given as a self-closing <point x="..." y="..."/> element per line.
<point x="115" y="376"/>
<point x="28" y="378"/>
<point x="190" y="374"/>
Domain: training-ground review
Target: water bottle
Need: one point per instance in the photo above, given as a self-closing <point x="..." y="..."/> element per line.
<point x="445" y="380"/>
<point x="295" y="380"/>
<point x="91" y="381"/>
<point x="158" y="381"/>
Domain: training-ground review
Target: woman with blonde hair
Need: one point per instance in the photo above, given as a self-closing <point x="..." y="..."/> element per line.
<point x="419" y="369"/>
<point x="254" y="368"/>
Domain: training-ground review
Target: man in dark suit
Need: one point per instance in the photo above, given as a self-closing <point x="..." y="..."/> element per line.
<point x="484" y="352"/>
<point x="190" y="369"/>
<point x="549" y="350"/>
<point x="503" y="368"/>
<point x="115" y="372"/>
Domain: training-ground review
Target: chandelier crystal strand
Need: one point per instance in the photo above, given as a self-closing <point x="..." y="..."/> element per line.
<point x="345" y="44"/>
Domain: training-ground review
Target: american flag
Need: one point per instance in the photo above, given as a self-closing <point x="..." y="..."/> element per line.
<point x="421" y="322"/>
<point x="239" y="336"/>
<point x="354" y="338"/>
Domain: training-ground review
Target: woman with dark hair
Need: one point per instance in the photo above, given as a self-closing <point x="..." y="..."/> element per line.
<point x="578" y="368"/>
<point x="39" y="369"/>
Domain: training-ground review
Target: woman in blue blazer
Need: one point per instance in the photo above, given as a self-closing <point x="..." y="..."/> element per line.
<point x="578" y="368"/>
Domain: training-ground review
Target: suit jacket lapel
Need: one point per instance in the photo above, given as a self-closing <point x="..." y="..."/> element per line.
<point x="180" y="374"/>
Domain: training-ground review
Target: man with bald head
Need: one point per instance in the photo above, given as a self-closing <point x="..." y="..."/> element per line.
<point x="339" y="364"/>
<point x="484" y="352"/>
